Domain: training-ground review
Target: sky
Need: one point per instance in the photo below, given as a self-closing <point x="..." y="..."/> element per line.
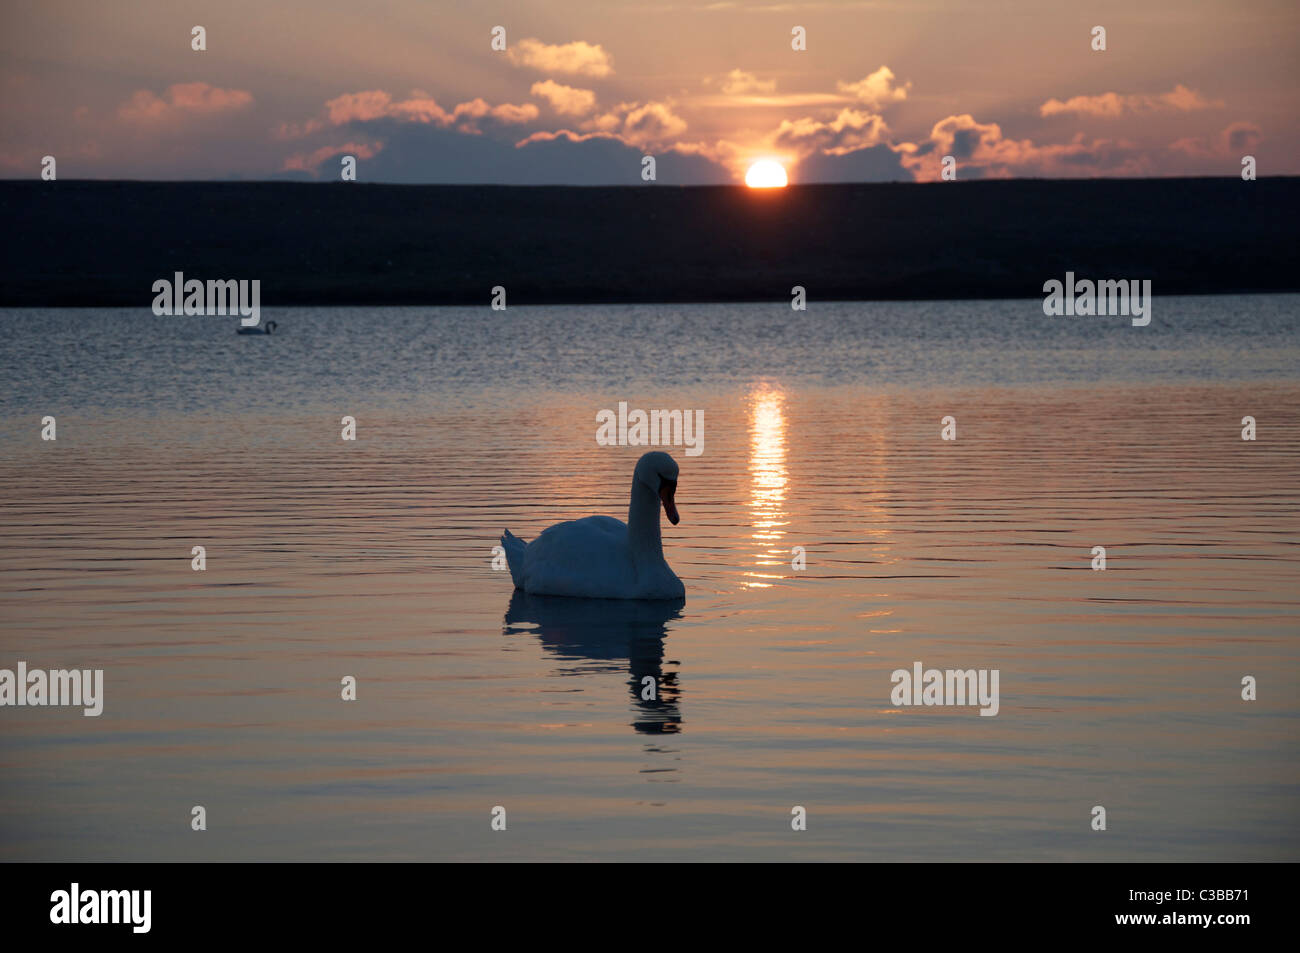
<point x="882" y="91"/>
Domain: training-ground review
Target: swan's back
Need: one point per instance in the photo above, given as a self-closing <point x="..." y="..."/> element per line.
<point x="582" y="557"/>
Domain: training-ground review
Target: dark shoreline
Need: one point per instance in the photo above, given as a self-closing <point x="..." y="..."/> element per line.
<point x="86" y="243"/>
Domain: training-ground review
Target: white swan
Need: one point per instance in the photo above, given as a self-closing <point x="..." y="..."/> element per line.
<point x="254" y="329"/>
<point x="600" y="557"/>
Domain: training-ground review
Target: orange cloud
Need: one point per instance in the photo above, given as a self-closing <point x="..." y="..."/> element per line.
<point x="374" y="104"/>
<point x="565" y="100"/>
<point x="578" y="58"/>
<point x="1237" y="139"/>
<point x="1113" y="105"/>
<point x="877" y="89"/>
<point x="982" y="146"/>
<point x="308" y="161"/>
<point x="371" y="104"/>
<point x="852" y="129"/>
<point x="639" y="124"/>
<point x="287" y="131"/>
<point x="738" y="82"/>
<point x="182" y="99"/>
<point x="510" y="113"/>
<point x="740" y="89"/>
<point x="653" y="122"/>
<point x="567" y="134"/>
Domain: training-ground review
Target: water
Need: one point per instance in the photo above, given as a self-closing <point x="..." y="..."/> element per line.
<point x="373" y="559"/>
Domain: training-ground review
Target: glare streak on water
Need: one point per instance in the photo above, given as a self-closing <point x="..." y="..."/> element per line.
<point x="373" y="559"/>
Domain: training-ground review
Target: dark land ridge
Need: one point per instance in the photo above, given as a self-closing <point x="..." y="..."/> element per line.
<point x="91" y="243"/>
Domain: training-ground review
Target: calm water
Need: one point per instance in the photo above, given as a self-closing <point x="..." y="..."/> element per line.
<point x="373" y="559"/>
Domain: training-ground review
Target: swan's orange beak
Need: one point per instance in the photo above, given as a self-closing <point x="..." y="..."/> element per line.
<point x="666" y="494"/>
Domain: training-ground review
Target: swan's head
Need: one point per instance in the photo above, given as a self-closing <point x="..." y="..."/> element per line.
<point x="658" y="471"/>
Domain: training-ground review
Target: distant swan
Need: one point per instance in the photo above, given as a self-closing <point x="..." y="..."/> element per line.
<point x="257" y="329"/>
<point x="600" y="557"/>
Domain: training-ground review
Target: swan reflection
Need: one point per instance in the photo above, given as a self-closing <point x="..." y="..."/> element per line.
<point x="628" y="634"/>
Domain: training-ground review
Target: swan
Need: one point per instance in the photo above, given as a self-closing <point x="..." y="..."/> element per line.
<point x="270" y="326"/>
<point x="599" y="557"/>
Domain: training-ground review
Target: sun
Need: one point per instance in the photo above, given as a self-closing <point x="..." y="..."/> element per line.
<point x="766" y="174"/>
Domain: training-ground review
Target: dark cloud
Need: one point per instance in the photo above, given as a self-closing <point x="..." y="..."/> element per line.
<point x="873" y="164"/>
<point x="1242" y="135"/>
<point x="965" y="142"/>
<point x="418" y="154"/>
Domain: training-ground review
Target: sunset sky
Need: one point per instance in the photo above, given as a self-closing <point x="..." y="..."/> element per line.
<point x="1010" y="88"/>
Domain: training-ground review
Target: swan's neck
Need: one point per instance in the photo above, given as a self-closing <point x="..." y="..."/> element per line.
<point x="643" y="523"/>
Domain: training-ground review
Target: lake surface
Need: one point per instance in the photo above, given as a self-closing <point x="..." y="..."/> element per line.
<point x="373" y="559"/>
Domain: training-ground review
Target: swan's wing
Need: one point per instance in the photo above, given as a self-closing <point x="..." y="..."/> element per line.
<point x="589" y="531"/>
<point x="580" y="558"/>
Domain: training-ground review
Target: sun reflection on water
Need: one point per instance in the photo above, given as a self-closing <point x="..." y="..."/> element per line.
<point x="768" y="480"/>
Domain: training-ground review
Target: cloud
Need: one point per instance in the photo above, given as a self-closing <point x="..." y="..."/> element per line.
<point x="819" y="146"/>
<point x="876" y="90"/>
<point x="578" y="58"/>
<point x="565" y="100"/>
<point x="981" y="151"/>
<point x="417" y="140"/>
<point x="420" y="107"/>
<point x="308" y="161"/>
<point x="872" y="164"/>
<point x="1241" y="136"/>
<point x="363" y="106"/>
<point x="852" y="129"/>
<point x="288" y="131"/>
<point x="375" y="114"/>
<point x="514" y="115"/>
<point x="738" y="82"/>
<point x="1114" y="105"/>
<point x="653" y="122"/>
<point x="417" y="153"/>
<point x="1236" y="140"/>
<point x="181" y="99"/>
<point x="782" y="100"/>
<point x="639" y="124"/>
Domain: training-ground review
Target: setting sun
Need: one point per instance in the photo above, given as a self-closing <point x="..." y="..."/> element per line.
<point x="766" y="174"/>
